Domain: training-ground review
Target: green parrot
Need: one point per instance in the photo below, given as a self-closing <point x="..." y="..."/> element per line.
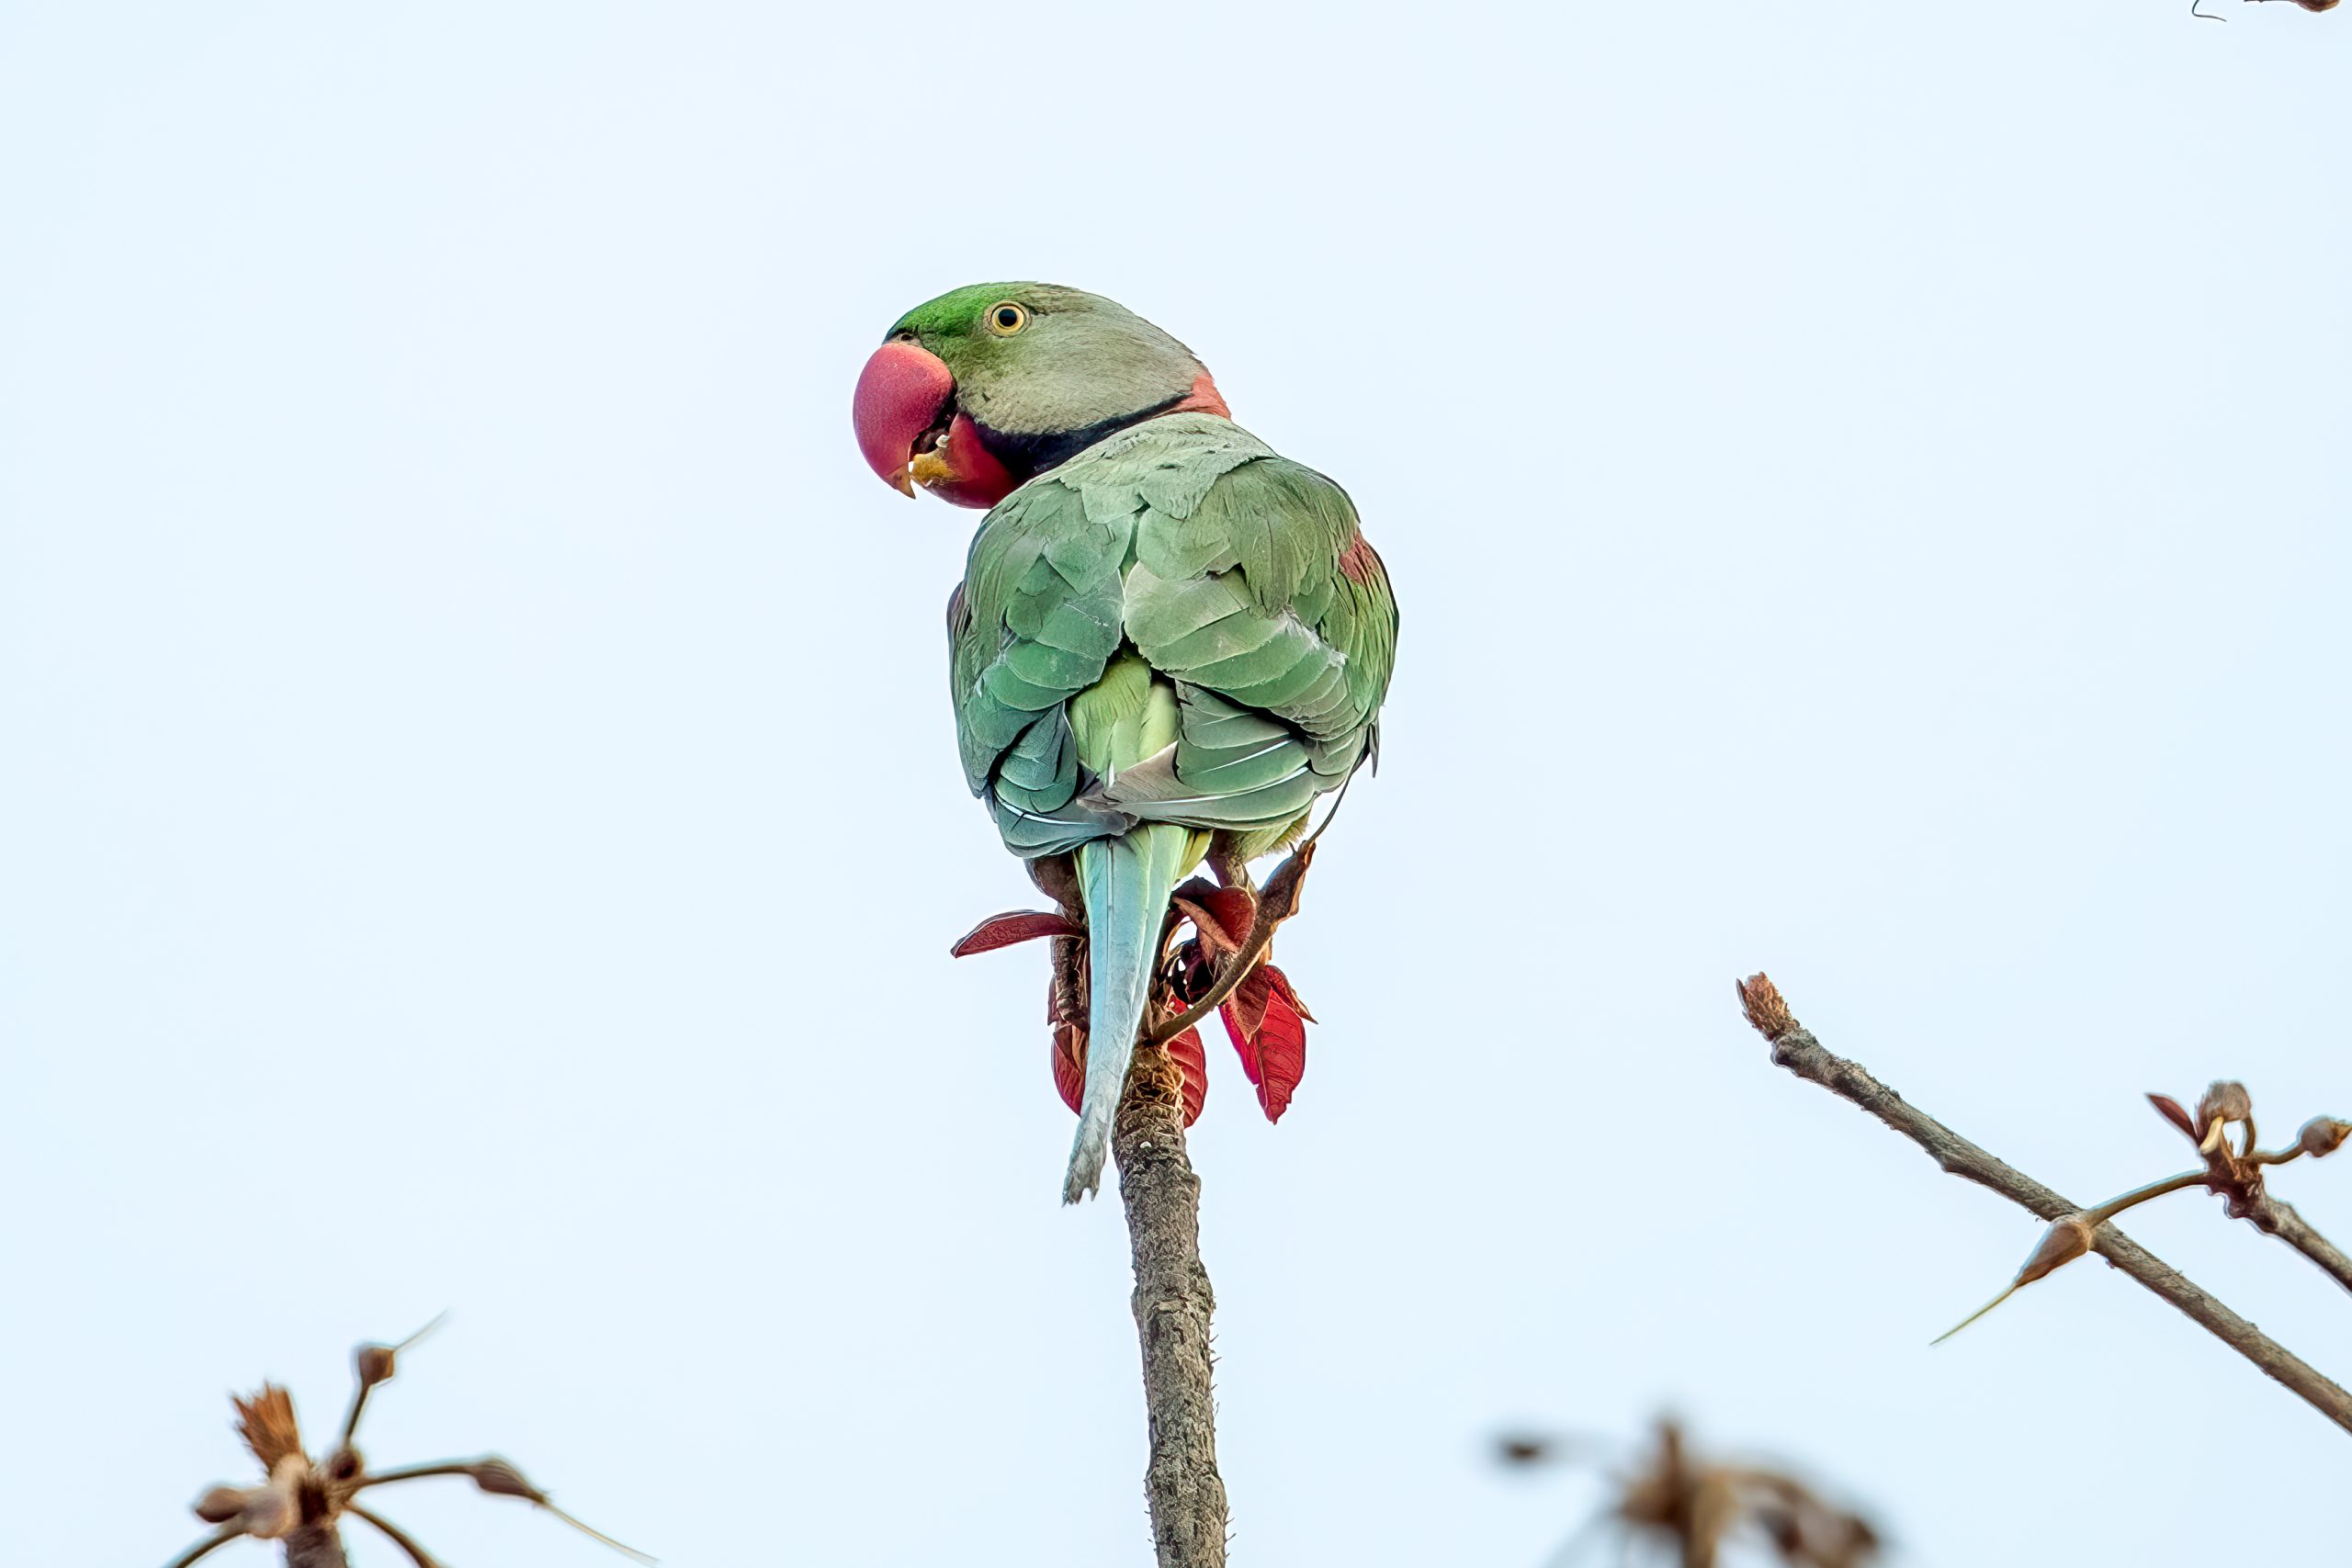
<point x="1169" y="640"/>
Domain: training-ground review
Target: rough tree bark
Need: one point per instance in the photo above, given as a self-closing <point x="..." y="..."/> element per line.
<point x="1172" y="1308"/>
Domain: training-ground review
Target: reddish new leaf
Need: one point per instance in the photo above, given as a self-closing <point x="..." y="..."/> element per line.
<point x="1245" y="1011"/>
<point x="1187" y="1052"/>
<point x="1222" y="914"/>
<point x="1273" y="1054"/>
<point x="1013" y="926"/>
<point x="1281" y="983"/>
<point x="2169" y="1109"/>
<point x="1281" y="1056"/>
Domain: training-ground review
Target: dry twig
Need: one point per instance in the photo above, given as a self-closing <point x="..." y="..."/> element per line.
<point x="302" y="1503"/>
<point x="1794" y="1047"/>
<point x="2240" y="1174"/>
<point x="1694" y="1507"/>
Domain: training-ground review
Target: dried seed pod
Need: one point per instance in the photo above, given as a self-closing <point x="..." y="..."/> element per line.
<point x="221" y="1504"/>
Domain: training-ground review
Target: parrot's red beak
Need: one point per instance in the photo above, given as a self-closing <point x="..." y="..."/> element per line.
<point x="910" y="432"/>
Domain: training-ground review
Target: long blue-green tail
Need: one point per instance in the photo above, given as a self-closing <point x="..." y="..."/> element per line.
<point x="1127" y="882"/>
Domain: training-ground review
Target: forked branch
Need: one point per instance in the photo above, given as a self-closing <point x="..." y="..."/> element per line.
<point x="1794" y="1047"/>
<point x="301" y="1502"/>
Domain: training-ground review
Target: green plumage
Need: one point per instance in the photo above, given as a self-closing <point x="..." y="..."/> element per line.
<point x="1168" y="641"/>
<point x="1161" y="630"/>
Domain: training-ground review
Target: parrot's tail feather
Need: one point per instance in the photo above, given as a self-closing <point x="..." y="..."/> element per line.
<point x="1127" y="882"/>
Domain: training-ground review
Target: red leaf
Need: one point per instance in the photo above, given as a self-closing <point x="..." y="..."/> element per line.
<point x="1281" y="983"/>
<point x="2169" y="1109"/>
<point x="1274" y="1054"/>
<point x="1187" y="1052"/>
<point x="1013" y="926"/>
<point x="1281" y="1055"/>
<point x="1245" y="1009"/>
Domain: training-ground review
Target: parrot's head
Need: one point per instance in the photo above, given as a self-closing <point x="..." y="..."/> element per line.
<point x="973" y="394"/>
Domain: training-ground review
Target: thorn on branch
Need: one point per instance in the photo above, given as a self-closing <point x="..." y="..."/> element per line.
<point x="2234" y="1171"/>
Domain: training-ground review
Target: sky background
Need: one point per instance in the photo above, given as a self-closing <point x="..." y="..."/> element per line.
<point x="480" y="825"/>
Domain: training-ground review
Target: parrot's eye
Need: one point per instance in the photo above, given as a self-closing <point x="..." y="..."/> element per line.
<point x="1007" y="318"/>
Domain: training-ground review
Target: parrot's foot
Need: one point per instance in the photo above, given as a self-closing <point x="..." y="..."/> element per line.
<point x="1222" y="966"/>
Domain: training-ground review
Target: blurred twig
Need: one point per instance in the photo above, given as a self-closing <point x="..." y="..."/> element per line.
<point x="1794" y="1047"/>
<point x="1694" y="1507"/>
<point x="302" y="1503"/>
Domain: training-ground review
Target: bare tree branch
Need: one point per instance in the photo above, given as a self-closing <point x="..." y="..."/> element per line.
<point x="1794" y="1047"/>
<point x="1172" y="1308"/>
<point x="301" y="1501"/>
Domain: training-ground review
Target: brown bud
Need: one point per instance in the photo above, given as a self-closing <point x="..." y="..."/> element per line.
<point x="502" y="1479"/>
<point x="374" y="1363"/>
<point x="2317" y="5"/>
<point x="221" y="1504"/>
<point x="1767" y="1012"/>
<point x="2224" y="1098"/>
<point x="2067" y="1239"/>
<point x="2323" y="1135"/>
<point x="1518" y="1450"/>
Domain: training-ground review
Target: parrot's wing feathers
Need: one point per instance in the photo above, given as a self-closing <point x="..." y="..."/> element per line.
<point x="1244" y="584"/>
<point x="1036" y="622"/>
<point x="1284" y="614"/>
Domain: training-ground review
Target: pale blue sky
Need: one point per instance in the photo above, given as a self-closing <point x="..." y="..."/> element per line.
<point x="481" y="828"/>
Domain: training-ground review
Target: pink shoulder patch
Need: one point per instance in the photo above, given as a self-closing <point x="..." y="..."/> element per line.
<point x="1358" y="563"/>
<point x="1204" y="399"/>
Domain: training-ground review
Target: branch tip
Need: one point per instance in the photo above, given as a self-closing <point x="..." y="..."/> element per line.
<point x="1767" y="1012"/>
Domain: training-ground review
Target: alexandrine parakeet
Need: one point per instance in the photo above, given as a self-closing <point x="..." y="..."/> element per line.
<point x="1169" y="640"/>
